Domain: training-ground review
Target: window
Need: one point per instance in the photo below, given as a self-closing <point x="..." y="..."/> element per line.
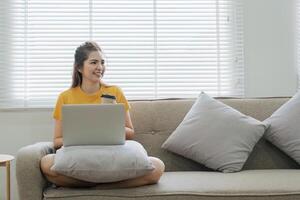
<point x="153" y="48"/>
<point x="298" y="39"/>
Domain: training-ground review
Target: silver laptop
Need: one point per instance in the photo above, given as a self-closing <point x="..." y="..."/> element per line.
<point x="93" y="124"/>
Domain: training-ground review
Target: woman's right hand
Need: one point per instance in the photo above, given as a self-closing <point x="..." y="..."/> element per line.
<point x="58" y="142"/>
<point x="58" y="139"/>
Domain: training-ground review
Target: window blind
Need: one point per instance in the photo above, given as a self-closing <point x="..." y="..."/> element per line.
<point x="298" y="39"/>
<point x="153" y="48"/>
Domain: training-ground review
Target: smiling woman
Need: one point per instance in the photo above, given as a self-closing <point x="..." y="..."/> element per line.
<point x="88" y="88"/>
<point x="89" y="55"/>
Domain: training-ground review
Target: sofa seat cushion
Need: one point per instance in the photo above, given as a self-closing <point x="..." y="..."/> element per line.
<point x="258" y="184"/>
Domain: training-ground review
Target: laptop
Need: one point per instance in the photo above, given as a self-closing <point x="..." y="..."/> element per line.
<point x="93" y="124"/>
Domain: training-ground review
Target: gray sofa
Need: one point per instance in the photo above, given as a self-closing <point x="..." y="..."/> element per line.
<point x="267" y="174"/>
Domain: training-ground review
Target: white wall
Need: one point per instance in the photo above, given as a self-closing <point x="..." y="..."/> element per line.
<point x="270" y="66"/>
<point x="20" y="128"/>
<point x="270" y="70"/>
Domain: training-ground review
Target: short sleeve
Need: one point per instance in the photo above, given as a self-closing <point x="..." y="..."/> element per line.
<point x="57" y="110"/>
<point x="121" y="98"/>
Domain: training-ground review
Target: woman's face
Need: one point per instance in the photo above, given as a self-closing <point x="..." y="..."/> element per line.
<point x="93" y="67"/>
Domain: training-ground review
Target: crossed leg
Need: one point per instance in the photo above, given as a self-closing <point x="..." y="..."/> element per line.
<point x="65" y="181"/>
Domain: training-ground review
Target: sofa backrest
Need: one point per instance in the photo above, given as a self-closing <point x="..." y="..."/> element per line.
<point x="155" y="120"/>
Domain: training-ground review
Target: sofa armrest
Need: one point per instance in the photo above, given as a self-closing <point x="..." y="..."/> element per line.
<point x="30" y="179"/>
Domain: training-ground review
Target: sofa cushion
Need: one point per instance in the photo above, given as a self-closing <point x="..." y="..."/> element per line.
<point x="248" y="184"/>
<point x="103" y="163"/>
<point x="284" y="130"/>
<point x="215" y="135"/>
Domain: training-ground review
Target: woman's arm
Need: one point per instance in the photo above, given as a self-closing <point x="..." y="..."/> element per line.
<point x="58" y="140"/>
<point x="128" y="127"/>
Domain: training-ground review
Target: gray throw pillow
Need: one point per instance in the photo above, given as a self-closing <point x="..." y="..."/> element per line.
<point x="102" y="164"/>
<point x="284" y="130"/>
<point x="215" y="135"/>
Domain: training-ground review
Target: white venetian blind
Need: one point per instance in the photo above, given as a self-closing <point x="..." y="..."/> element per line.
<point x="153" y="48"/>
<point x="298" y="39"/>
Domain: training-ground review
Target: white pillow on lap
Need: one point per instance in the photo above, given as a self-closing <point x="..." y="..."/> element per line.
<point x="102" y="164"/>
<point x="215" y="135"/>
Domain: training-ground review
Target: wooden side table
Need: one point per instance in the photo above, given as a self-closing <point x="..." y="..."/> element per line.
<point x="5" y="161"/>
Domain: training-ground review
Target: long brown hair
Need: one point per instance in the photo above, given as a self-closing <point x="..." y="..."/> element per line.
<point x="81" y="54"/>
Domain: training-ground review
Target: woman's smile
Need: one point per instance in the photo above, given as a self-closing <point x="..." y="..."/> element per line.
<point x="98" y="74"/>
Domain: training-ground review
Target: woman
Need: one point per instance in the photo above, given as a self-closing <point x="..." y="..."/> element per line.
<point x="87" y="87"/>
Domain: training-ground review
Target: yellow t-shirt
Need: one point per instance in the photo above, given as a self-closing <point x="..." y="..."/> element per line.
<point x="77" y="96"/>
